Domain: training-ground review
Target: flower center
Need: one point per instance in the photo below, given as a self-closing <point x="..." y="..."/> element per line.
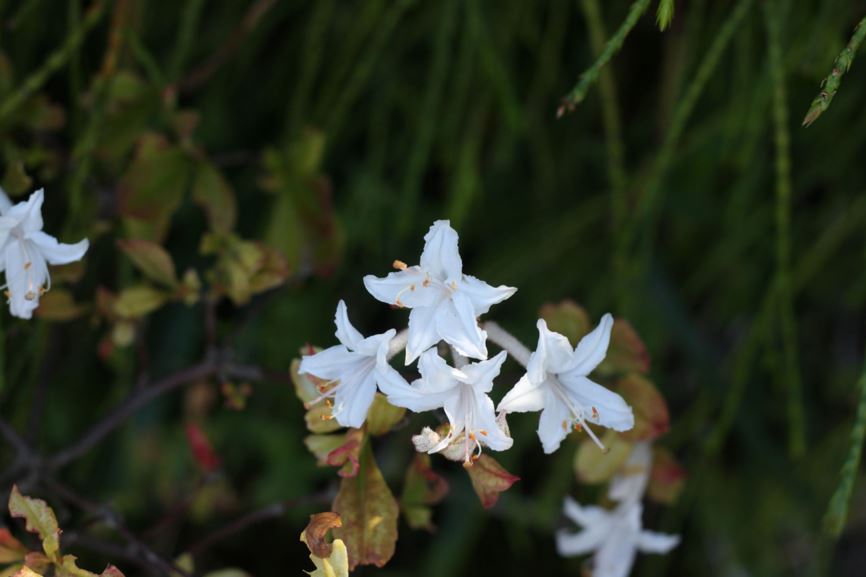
<point x="577" y="412"/>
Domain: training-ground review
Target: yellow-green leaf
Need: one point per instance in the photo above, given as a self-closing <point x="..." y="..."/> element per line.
<point x="566" y="318"/>
<point x="422" y="488"/>
<point x="58" y="305"/>
<point x="16" y="182"/>
<point x="215" y="195"/>
<point x="26" y="571"/>
<point x="626" y="353"/>
<point x="152" y="260"/>
<point x="651" y="416"/>
<point x="592" y="465"/>
<point x="382" y="415"/>
<point x="39" y="519"/>
<point x="11" y="549"/>
<point x="138" y="301"/>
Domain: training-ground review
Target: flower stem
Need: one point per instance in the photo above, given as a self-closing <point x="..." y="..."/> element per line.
<point x="398" y="343"/>
<point x="508" y="342"/>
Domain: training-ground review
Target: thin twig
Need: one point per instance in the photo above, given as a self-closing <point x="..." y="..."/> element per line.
<point x="508" y="342"/>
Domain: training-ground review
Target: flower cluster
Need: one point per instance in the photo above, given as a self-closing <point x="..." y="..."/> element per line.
<point x="26" y="252"/>
<point x="445" y="305"/>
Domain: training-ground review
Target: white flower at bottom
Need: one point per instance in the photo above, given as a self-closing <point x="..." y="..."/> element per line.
<point x="556" y="384"/>
<point x="27" y="252"/>
<point x="352" y="367"/>
<point x="614" y="536"/>
<point x="462" y="393"/>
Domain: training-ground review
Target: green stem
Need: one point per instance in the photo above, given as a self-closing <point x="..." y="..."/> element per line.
<point x="588" y="78"/>
<point x="830" y="85"/>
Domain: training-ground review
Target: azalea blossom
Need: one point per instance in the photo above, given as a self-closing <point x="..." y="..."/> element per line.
<point x="463" y="393"/>
<point x="351" y="368"/>
<point x="556" y="384"/>
<point x="614" y="536"/>
<point x="445" y="302"/>
<point x="27" y="252"/>
<point x="630" y="482"/>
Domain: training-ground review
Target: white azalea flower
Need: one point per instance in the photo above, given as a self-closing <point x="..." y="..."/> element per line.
<point x="630" y="482"/>
<point x="462" y="393"/>
<point x="556" y="384"/>
<point x="27" y="252"/>
<point x="613" y="536"/>
<point x="352" y="367"/>
<point x="444" y="301"/>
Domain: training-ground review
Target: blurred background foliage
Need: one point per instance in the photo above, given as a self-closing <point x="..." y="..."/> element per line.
<point x="280" y="150"/>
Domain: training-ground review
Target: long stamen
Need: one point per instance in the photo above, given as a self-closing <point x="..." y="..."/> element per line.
<point x="326" y="394"/>
<point x="578" y="416"/>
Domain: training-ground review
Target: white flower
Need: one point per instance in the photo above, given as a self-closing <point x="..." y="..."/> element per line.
<point x="556" y="384"/>
<point x="27" y="252"/>
<point x="353" y="367"/>
<point x="630" y="482"/>
<point x="614" y="536"/>
<point x="444" y="301"/>
<point x="462" y="393"/>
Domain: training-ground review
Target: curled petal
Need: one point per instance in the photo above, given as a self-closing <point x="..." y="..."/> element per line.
<point x="56" y="252"/>
<point x="652" y="542"/>
<point x="26" y="273"/>
<point x="552" y="354"/>
<point x="485" y="426"/>
<point x="406" y="288"/>
<point x="482" y="295"/>
<point x="554" y="424"/>
<point x="456" y="324"/>
<point x="524" y="397"/>
<point x="29" y="214"/>
<point x="332" y="363"/>
<point x="441" y="257"/>
<point x="436" y="375"/>
<point x="353" y="399"/>
<point x="480" y="375"/>
<point x="592" y="348"/>
<point x="346" y="333"/>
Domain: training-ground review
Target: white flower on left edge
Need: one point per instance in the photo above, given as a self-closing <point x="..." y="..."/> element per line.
<point x="27" y="252"/>
<point x="614" y="536"/>
<point x="462" y="393"/>
<point x="556" y="384"/>
<point x="352" y="367"/>
<point x="445" y="302"/>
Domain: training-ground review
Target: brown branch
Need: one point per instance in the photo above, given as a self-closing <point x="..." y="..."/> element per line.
<point x="248" y="23"/>
<point x="264" y="514"/>
<point x="126" y="409"/>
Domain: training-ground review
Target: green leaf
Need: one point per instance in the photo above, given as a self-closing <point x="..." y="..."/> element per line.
<point x="651" y="416"/>
<point x="489" y="479"/>
<point x="421" y="489"/>
<point x="382" y="415"/>
<point x="322" y="445"/>
<point x="138" y="301"/>
<point x="16" y="182"/>
<point x="215" y="195"/>
<point x="592" y="465"/>
<point x="566" y="318"/>
<point x="153" y="186"/>
<point x="369" y="514"/>
<point x="26" y="571"/>
<point x="39" y="519"/>
<point x="152" y="260"/>
<point x="665" y="14"/>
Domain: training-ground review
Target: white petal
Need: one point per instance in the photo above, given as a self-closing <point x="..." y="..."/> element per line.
<point x="481" y="374"/>
<point x="570" y="544"/>
<point x="456" y="324"/>
<point x="550" y="356"/>
<point x="651" y="542"/>
<point x="56" y="252"/>
<point x="436" y="375"/>
<point x="5" y="202"/>
<point x="524" y="397"/>
<point x="441" y="257"/>
<point x="25" y="275"/>
<point x="332" y="363"/>
<point x="29" y="213"/>
<point x="584" y="515"/>
<point x="615" y="557"/>
<point x="6" y="226"/>
<point x="406" y="288"/>
<point x="611" y="410"/>
<point x="554" y="424"/>
<point x="482" y="295"/>
<point x="592" y="348"/>
<point x="346" y="333"/>
<point x="422" y="332"/>
<point x="353" y="399"/>
<point x="484" y="421"/>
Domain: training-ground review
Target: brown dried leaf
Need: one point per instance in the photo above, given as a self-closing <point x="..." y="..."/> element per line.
<point x="489" y="479"/>
<point x="651" y="416"/>
<point x="317" y="530"/>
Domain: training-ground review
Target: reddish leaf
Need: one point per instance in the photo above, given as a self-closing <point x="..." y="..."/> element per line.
<point x="626" y="353"/>
<point x="11" y="549"/>
<point x="651" y="417"/>
<point x="566" y="318"/>
<point x="667" y="477"/>
<point x="369" y="513"/>
<point x="346" y="455"/>
<point x="489" y="479"/>
<point x="202" y="450"/>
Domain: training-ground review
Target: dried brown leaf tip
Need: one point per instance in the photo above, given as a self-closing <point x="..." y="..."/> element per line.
<point x="317" y="530"/>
